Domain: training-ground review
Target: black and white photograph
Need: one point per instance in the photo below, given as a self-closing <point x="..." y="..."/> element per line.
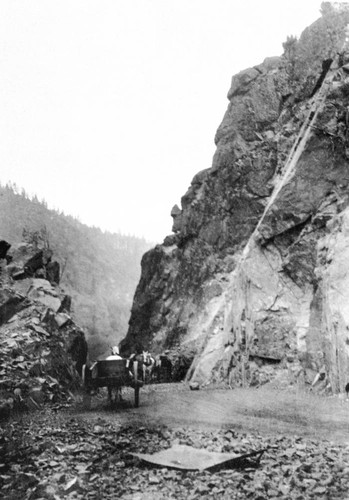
<point x="174" y="250"/>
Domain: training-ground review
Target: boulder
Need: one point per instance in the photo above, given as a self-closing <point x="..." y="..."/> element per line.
<point x="53" y="272"/>
<point x="4" y="247"/>
<point x="42" y="291"/>
<point x="39" y="260"/>
<point x="62" y="319"/>
<point x="17" y="274"/>
<point x="66" y="303"/>
<point x="37" y="395"/>
<point x="10" y="304"/>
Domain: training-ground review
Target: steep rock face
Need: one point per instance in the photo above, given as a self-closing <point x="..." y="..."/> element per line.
<point x="245" y="285"/>
<point x="42" y="350"/>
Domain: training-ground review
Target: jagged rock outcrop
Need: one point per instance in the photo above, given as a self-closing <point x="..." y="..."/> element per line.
<point x="29" y="261"/>
<point x="253" y="281"/>
<point x="42" y="350"/>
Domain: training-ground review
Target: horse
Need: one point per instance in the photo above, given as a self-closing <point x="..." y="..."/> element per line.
<point x="163" y="368"/>
<point x="145" y="365"/>
<point x="148" y="363"/>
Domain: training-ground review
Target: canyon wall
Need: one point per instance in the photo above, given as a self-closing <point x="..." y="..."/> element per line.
<point x="252" y="286"/>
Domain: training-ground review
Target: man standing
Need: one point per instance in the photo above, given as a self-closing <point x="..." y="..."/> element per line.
<point x="114" y="355"/>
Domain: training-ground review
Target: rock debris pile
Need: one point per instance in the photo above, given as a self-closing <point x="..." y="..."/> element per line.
<point x="41" y="349"/>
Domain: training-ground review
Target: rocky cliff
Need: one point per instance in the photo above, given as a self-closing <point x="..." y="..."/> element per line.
<point x="41" y="349"/>
<point x="253" y="286"/>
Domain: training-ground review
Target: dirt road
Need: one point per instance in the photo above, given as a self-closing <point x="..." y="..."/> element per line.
<point x="268" y="411"/>
<point x="67" y="452"/>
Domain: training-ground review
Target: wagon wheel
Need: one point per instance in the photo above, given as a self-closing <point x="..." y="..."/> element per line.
<point x="135" y="378"/>
<point x="86" y="397"/>
<point x="83" y="375"/>
<point x="136" y="397"/>
<point x="86" y="378"/>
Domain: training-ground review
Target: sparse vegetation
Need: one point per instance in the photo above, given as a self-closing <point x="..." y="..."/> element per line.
<point x="290" y="54"/>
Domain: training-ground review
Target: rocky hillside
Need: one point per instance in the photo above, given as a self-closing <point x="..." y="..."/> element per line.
<point x="41" y="349"/>
<point x="99" y="270"/>
<point x="252" y="287"/>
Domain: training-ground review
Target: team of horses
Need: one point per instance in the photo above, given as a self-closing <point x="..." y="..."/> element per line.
<point x="153" y="369"/>
<point x="150" y="369"/>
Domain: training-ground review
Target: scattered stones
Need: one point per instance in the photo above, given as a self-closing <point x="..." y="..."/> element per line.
<point x="55" y="455"/>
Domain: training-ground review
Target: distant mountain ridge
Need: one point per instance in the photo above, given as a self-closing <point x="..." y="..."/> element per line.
<point x="99" y="270"/>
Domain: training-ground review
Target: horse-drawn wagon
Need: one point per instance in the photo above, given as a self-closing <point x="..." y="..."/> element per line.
<point x="113" y="374"/>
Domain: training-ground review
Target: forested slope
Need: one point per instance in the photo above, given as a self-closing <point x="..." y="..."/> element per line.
<point x="99" y="270"/>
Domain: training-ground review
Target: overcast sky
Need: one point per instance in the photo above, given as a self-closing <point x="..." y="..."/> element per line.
<point x="108" y="108"/>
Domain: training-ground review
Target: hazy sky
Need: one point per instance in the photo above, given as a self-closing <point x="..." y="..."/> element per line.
<point x="108" y="108"/>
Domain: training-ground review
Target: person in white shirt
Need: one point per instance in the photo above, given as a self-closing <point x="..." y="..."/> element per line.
<point x="114" y="355"/>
